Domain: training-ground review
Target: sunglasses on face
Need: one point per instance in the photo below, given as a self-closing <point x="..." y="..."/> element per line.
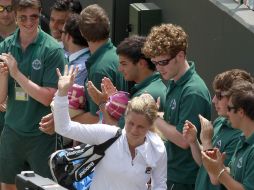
<point x="7" y="8"/>
<point x="163" y="62"/>
<point x="32" y="18"/>
<point x="231" y="108"/>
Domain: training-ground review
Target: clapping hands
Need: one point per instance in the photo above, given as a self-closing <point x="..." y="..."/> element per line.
<point x="206" y="134"/>
<point x="189" y="132"/>
<point x="107" y="89"/>
<point x="8" y="65"/>
<point x="213" y="161"/>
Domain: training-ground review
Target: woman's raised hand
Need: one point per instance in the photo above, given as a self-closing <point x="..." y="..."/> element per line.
<point x="66" y="80"/>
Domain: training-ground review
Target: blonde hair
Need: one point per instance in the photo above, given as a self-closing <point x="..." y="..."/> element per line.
<point x="166" y="39"/>
<point x="146" y="105"/>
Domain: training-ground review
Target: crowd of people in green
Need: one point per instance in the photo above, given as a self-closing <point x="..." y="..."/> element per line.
<point x="168" y="140"/>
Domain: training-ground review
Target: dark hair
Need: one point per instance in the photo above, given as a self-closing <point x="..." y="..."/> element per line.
<point x="23" y="4"/>
<point x="131" y="47"/>
<point x="60" y="5"/>
<point x="224" y="81"/>
<point x="94" y="24"/>
<point x="75" y="6"/>
<point x="72" y="28"/>
<point x="242" y="96"/>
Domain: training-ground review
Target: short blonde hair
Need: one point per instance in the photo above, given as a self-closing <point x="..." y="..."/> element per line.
<point x="146" y="105"/>
<point x="166" y="39"/>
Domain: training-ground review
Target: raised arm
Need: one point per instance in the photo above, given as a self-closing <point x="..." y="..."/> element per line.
<point x="171" y="133"/>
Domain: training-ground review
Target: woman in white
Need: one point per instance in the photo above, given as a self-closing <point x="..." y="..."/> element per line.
<point x="137" y="156"/>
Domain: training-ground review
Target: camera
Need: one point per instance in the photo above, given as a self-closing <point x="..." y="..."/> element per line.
<point x="28" y="180"/>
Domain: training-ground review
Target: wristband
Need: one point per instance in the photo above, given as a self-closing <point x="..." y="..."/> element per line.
<point x="220" y="173"/>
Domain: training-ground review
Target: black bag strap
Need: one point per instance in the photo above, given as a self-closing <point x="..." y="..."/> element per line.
<point x="101" y="148"/>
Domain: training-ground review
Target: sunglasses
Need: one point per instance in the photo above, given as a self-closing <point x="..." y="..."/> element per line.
<point x="32" y="18"/>
<point x="7" y="8"/>
<point x="219" y="94"/>
<point x="163" y="62"/>
<point x="231" y="108"/>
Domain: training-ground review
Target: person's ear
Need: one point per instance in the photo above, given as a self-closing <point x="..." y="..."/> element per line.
<point x="241" y="112"/>
<point x="69" y="37"/>
<point x="181" y="55"/>
<point x="142" y="63"/>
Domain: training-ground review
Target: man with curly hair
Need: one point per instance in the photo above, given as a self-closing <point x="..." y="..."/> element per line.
<point x="187" y="96"/>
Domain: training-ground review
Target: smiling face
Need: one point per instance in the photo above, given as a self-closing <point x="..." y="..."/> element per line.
<point x="56" y="23"/>
<point x="28" y="20"/>
<point x="136" y="126"/>
<point x="7" y="17"/>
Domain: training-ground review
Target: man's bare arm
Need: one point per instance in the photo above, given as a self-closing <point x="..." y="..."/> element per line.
<point x="170" y="132"/>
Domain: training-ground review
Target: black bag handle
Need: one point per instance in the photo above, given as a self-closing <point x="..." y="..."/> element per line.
<point x="101" y="148"/>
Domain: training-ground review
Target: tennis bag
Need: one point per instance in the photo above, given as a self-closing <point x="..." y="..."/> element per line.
<point x="71" y="165"/>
